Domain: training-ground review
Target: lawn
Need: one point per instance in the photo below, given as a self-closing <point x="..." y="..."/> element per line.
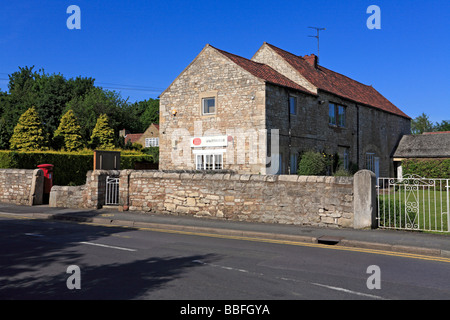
<point x="420" y="209"/>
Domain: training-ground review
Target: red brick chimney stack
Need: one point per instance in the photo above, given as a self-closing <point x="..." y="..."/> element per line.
<point x="311" y="59"/>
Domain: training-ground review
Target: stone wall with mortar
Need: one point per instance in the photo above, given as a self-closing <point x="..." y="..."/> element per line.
<point x="89" y="195"/>
<point x="239" y="114"/>
<point x="366" y="130"/>
<point x="300" y="200"/>
<point x="21" y="186"/>
<point x="286" y="199"/>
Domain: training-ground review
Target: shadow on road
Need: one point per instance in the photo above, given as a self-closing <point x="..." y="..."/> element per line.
<point x="34" y="256"/>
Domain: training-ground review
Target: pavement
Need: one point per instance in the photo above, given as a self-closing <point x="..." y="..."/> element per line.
<point x="413" y="242"/>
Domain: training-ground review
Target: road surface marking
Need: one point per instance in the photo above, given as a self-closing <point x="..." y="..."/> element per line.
<point x="349" y="291"/>
<point x="289" y="279"/>
<point x="304" y="244"/>
<point x="106" y="246"/>
<point x="297" y="243"/>
<point x="222" y="267"/>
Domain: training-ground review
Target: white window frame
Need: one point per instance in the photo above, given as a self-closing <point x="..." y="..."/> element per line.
<point x="209" y="159"/>
<point x="203" y="105"/>
<point x="151" y="142"/>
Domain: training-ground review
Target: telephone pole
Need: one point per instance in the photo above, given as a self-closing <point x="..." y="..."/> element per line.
<point x="317" y="37"/>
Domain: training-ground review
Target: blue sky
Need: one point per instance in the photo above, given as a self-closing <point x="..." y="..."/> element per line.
<point x="144" y="45"/>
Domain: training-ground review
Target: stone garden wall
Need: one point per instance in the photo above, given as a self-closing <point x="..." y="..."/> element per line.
<point x="290" y="199"/>
<point x="286" y="199"/>
<point x="21" y="186"/>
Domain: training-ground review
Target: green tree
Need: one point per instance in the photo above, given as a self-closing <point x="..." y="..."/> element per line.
<point x="443" y="126"/>
<point x="69" y="132"/>
<point x="48" y="93"/>
<point x="4" y="135"/>
<point x="96" y="102"/>
<point x="147" y="112"/>
<point x="53" y="95"/>
<point x="102" y="135"/>
<point x="421" y="124"/>
<point x="29" y="132"/>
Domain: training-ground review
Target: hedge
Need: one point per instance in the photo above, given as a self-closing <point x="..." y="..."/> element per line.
<point x="70" y="168"/>
<point x="427" y="168"/>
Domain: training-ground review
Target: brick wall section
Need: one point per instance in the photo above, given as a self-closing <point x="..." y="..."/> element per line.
<point x="302" y="200"/>
<point x="19" y="186"/>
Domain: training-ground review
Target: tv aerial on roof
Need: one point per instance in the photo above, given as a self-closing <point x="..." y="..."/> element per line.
<point x="317" y="37"/>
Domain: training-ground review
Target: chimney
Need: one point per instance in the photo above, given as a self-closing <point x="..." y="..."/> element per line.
<point x="311" y="59"/>
<point x="123" y="133"/>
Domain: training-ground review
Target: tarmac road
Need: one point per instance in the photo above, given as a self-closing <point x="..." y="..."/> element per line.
<point x="163" y="264"/>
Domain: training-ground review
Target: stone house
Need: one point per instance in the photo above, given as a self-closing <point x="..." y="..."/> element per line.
<point x="258" y="115"/>
<point x="150" y="137"/>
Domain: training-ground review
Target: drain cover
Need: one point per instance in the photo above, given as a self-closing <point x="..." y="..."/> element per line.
<point x="329" y="240"/>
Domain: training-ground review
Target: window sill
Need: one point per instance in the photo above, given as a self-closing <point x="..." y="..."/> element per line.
<point x="335" y="126"/>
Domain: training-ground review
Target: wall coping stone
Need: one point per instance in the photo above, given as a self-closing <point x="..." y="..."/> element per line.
<point x="288" y="178"/>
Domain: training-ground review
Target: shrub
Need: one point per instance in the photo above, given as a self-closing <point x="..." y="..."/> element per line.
<point x="153" y="151"/>
<point x="102" y="135"/>
<point x="430" y="168"/>
<point x="69" y="131"/>
<point x="29" y="132"/>
<point x="312" y="164"/>
<point x="342" y="173"/>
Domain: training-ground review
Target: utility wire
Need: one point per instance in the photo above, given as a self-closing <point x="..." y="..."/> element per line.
<point x="119" y="86"/>
<point x="134" y="89"/>
<point x="132" y="86"/>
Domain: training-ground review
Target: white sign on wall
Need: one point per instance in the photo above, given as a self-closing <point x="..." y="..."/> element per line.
<point x="209" y="141"/>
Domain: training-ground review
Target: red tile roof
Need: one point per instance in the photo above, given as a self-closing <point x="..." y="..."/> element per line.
<point x="132" y="137"/>
<point x="336" y="83"/>
<point x="263" y="72"/>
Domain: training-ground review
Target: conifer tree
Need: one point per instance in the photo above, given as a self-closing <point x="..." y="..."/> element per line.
<point x="69" y="132"/>
<point x="29" y="132"/>
<point x="103" y="135"/>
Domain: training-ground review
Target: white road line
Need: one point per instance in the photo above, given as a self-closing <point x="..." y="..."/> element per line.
<point x="290" y="279"/>
<point x="33" y="234"/>
<point x="348" y="291"/>
<point x="222" y="267"/>
<point x="106" y="246"/>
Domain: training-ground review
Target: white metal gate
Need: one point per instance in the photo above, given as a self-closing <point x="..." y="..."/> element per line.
<point x="112" y="191"/>
<point x="414" y="203"/>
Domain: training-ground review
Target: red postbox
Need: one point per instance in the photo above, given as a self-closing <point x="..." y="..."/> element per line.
<point x="48" y="176"/>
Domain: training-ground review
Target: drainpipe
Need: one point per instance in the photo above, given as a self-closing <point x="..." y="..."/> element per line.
<point x="289" y="133"/>
<point x="357" y="136"/>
